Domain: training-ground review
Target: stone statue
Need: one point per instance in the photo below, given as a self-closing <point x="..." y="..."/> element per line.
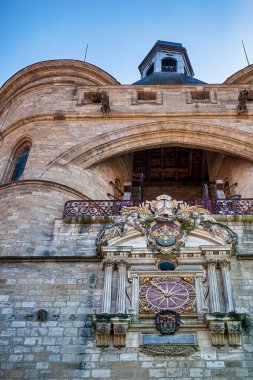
<point x="168" y="219"/>
<point x="242" y="99"/>
<point x="105" y="104"/>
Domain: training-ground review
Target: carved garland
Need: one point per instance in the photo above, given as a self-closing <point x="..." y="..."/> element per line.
<point x="168" y="350"/>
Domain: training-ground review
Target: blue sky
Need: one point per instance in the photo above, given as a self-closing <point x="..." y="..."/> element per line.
<point x="121" y="33"/>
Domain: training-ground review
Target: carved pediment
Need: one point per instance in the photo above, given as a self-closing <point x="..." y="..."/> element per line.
<point x="165" y="226"/>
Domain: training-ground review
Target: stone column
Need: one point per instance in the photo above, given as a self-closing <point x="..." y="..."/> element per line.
<point x="225" y="271"/>
<point x="199" y="294"/>
<point x="107" y="291"/>
<point x="135" y="294"/>
<point x="213" y="288"/>
<point x="121" y="290"/>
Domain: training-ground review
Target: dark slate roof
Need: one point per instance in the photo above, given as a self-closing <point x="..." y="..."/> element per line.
<point x="168" y="78"/>
<point x="159" y="42"/>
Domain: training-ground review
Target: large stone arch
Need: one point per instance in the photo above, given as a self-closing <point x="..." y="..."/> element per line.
<point x="170" y="133"/>
<point x="243" y="76"/>
<point x="54" y="72"/>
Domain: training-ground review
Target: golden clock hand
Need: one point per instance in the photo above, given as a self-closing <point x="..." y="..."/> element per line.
<point x="157" y="286"/>
<point x="164" y="292"/>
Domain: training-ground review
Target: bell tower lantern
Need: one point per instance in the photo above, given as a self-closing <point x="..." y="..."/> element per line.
<point x="166" y="57"/>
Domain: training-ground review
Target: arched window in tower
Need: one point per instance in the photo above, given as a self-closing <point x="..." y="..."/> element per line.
<point x="19" y="161"/>
<point x="150" y="69"/>
<point x="169" y="65"/>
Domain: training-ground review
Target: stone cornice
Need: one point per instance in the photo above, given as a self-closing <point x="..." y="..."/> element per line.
<point x="39" y="259"/>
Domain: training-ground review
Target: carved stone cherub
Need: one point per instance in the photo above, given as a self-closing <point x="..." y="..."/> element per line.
<point x="242" y="99"/>
<point x="105" y="104"/>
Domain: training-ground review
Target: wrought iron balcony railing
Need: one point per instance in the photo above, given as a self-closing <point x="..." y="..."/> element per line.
<point x="113" y="207"/>
<point x="95" y="208"/>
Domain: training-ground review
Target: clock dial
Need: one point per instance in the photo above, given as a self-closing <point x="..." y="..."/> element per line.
<point x="167" y="293"/>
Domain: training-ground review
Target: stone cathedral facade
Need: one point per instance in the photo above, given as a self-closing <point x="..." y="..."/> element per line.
<point x="126" y="238"/>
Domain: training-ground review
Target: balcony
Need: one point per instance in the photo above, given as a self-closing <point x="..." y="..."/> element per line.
<point x="74" y="209"/>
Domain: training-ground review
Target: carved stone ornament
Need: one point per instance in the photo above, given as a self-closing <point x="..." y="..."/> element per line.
<point x="167" y="322"/>
<point x="217" y="329"/>
<point x="234" y="333"/>
<point x="165" y="237"/>
<point x="42" y="315"/>
<point x="165" y="223"/>
<point x="59" y="115"/>
<point x="168" y="350"/>
<point x="103" y="329"/>
<point x="242" y="101"/>
<point x="105" y="104"/>
<point x="120" y="329"/>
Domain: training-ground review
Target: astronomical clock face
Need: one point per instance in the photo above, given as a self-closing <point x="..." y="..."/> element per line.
<point x="167" y="293"/>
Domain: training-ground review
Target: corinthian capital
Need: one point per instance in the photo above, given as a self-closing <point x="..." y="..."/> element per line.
<point x="109" y="264"/>
<point x="121" y="265"/>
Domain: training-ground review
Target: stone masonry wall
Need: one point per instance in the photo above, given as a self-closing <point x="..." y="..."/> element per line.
<point x="63" y="347"/>
<point x="27" y="218"/>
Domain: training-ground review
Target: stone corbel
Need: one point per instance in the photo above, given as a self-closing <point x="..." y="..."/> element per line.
<point x="217" y="329"/>
<point x="234" y="333"/>
<point x="120" y="328"/>
<point x="103" y="330"/>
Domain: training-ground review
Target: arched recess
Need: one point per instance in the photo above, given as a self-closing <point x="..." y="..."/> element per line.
<point x="17" y="160"/>
<point x="166" y="133"/>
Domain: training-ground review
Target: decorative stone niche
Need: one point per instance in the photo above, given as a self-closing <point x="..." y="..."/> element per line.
<point x="88" y="97"/>
<point x="146" y="96"/>
<point x="201" y="95"/>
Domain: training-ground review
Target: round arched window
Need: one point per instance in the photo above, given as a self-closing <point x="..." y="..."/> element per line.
<point x="169" y="65"/>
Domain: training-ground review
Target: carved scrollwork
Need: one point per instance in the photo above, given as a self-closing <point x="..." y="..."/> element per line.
<point x="217" y="329"/>
<point x="234" y="333"/>
<point x="165" y="223"/>
<point x="103" y="327"/>
<point x="109" y="264"/>
<point x="234" y="327"/>
<point x="120" y="329"/>
<point x="121" y="265"/>
<point x="168" y="350"/>
<point x="103" y="330"/>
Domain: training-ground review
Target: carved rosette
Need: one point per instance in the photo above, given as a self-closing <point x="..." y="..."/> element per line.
<point x="120" y="329"/>
<point x="217" y="329"/>
<point x="59" y="115"/>
<point x="103" y="329"/>
<point x="234" y="332"/>
<point x="168" y="350"/>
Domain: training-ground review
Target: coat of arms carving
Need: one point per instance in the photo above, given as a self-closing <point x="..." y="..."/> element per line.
<point x="165" y="223"/>
<point x="167" y="322"/>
